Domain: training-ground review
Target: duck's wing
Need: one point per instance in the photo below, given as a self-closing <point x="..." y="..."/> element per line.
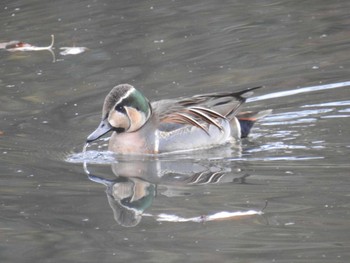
<point x="173" y="112"/>
<point x="201" y="110"/>
<point x="224" y="103"/>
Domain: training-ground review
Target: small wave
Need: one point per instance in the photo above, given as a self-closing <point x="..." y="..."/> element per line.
<point x="96" y="157"/>
<point x="329" y="104"/>
<point x="300" y="90"/>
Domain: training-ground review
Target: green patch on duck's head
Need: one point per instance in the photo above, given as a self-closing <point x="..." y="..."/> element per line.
<point x="135" y="99"/>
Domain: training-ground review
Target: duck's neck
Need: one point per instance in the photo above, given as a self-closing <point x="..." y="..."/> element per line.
<point x="138" y="142"/>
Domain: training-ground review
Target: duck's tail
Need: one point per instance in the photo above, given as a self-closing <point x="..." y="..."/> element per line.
<point x="248" y="118"/>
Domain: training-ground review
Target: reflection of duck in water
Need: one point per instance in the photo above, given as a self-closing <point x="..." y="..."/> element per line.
<point x="134" y="189"/>
<point x="128" y="198"/>
<point x="172" y="172"/>
<point x="197" y="122"/>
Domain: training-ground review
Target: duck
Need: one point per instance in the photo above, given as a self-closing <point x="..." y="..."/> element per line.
<point x="202" y="121"/>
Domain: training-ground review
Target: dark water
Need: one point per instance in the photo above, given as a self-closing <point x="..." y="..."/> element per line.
<point x="296" y="160"/>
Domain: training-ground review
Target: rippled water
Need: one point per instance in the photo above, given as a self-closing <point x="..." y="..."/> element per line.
<point x="282" y="195"/>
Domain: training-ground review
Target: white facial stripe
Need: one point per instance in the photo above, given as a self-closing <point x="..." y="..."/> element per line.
<point x="125" y="95"/>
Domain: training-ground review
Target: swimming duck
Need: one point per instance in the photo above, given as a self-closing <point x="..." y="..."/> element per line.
<point x="202" y="121"/>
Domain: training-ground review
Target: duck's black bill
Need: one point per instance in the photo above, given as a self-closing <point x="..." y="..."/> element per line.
<point x="101" y="130"/>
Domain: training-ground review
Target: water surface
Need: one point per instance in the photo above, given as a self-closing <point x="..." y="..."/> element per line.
<point x="296" y="160"/>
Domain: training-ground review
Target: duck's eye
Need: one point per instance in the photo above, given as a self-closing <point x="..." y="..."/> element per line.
<point x="120" y="108"/>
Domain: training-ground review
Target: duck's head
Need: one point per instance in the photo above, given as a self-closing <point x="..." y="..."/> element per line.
<point x="125" y="109"/>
